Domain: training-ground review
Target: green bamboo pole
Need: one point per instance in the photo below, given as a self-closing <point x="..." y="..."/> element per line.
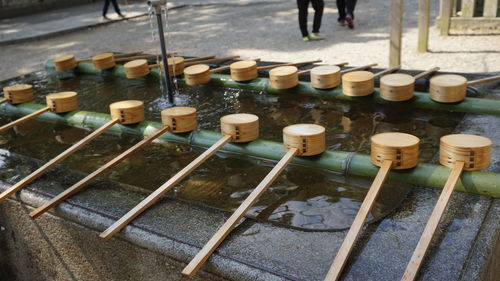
<point x="482" y="183"/>
<point x="420" y="100"/>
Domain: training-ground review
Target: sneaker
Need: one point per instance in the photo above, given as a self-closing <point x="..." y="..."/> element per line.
<point x="105" y="18"/>
<point x="122" y="16"/>
<point x="341" y="23"/>
<point x="306" y="38"/>
<point x="350" y="21"/>
<point x="317" y="36"/>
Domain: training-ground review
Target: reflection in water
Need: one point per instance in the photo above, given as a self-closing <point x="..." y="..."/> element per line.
<point x="302" y="197"/>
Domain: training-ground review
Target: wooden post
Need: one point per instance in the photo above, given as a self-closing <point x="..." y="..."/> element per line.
<point x="467" y="8"/>
<point x="396" y="25"/>
<point x="490" y="8"/>
<point x="445" y="16"/>
<point x="424" y="10"/>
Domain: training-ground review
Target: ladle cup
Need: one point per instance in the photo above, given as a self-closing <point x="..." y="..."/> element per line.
<point x="362" y="83"/>
<point x="175" y="120"/>
<point x="19" y="93"/>
<point x="237" y="128"/>
<point x="199" y="74"/>
<point x="448" y="88"/>
<point x="399" y="86"/>
<point x="388" y="151"/>
<point x="458" y="152"/>
<point x="299" y="140"/>
<point x="246" y="70"/>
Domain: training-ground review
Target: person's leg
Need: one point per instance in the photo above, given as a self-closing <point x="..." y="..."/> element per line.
<point x="105" y="8"/>
<point x="341" y="8"/>
<point x="302" y="5"/>
<point x="318" y="6"/>
<point x="351" y="4"/>
<point x="117" y="9"/>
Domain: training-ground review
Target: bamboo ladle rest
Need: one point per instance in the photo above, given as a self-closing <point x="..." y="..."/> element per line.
<point x="238" y="128"/>
<point x="329" y="76"/>
<point x="59" y="103"/>
<point x="458" y="152"/>
<point x="388" y="151"/>
<point x="19" y="93"/>
<point x="448" y="88"/>
<point x="125" y="112"/>
<point x="174" y="119"/>
<point x="68" y="62"/>
<point x="246" y="70"/>
<point x="362" y="83"/>
<point x="399" y="86"/>
<point x="298" y="140"/>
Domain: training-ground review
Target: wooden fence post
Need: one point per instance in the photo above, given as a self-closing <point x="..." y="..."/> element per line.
<point x="396" y="32"/>
<point x="445" y="16"/>
<point x="424" y="10"/>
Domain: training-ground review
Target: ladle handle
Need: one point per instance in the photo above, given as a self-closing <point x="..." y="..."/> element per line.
<point x="4" y="100"/>
<point x="211" y="60"/>
<point x="23" y="119"/>
<point x="153" y="197"/>
<point x="483" y="80"/>
<point x="368" y="66"/>
<point x="199" y="58"/>
<point x="389" y="70"/>
<point x="56" y="160"/>
<point x="220" y="69"/>
<point x="136" y="58"/>
<point x="128" y="54"/>
<point x="235" y="218"/>
<point x="287" y="64"/>
<point x="91" y="177"/>
<point x="432" y="224"/>
<point x="425" y="73"/>
<point x="345" y="250"/>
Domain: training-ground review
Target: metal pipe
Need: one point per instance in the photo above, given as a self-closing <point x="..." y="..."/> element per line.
<point x="157" y="4"/>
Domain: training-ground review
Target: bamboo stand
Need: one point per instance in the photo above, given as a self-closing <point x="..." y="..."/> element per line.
<point x="175" y="119"/>
<point x="362" y="83"/>
<point x="247" y="70"/>
<point x="234" y="127"/>
<point x="389" y="151"/>
<point x="458" y="152"/>
<point x="400" y="87"/>
<point x="449" y="88"/>
<point x="16" y="94"/>
<point x="299" y="140"/>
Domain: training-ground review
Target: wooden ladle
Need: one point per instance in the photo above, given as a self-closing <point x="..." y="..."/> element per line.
<point x="246" y="70"/>
<point x="388" y="151"/>
<point x="362" y="83"/>
<point x="176" y="65"/>
<point x="124" y="112"/>
<point x="458" y="152"/>
<point x="234" y="127"/>
<point x="199" y="74"/>
<point x="449" y="88"/>
<point x="299" y="140"/>
<point x="108" y="60"/>
<point x="68" y="62"/>
<point x="59" y="103"/>
<point x="175" y="120"/>
<point x="19" y="93"/>
<point x="329" y="76"/>
<point x="399" y="86"/>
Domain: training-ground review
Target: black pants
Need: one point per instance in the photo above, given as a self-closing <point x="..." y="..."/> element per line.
<point x="106" y="5"/>
<point x="318" y="6"/>
<point x="345" y="7"/>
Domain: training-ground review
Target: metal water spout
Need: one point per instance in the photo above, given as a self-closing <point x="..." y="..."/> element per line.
<point x="156" y="6"/>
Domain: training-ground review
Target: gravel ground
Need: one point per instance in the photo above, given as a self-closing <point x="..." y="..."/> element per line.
<point x="267" y="30"/>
